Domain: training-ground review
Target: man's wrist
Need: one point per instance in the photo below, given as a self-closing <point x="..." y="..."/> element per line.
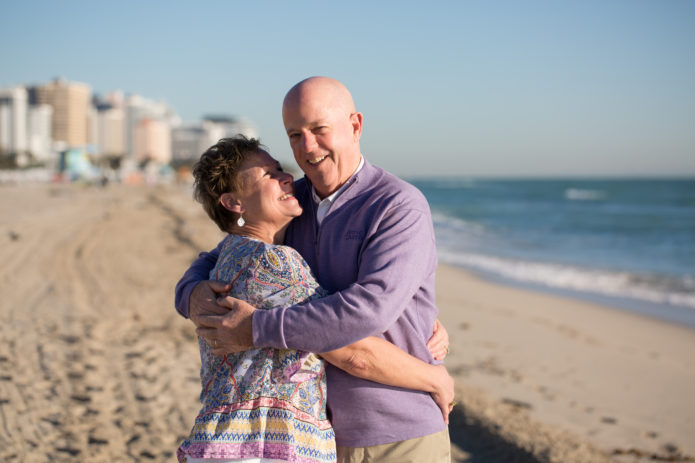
<point x="192" y="288"/>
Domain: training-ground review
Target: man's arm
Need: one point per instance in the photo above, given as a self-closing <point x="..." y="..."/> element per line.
<point x="397" y="259"/>
<point x="378" y="360"/>
<point x="197" y="272"/>
<point x="231" y="331"/>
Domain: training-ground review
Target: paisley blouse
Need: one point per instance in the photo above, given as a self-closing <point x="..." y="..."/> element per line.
<point x="265" y="403"/>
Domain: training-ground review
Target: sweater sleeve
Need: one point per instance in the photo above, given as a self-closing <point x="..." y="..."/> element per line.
<point x="395" y="261"/>
<point x="279" y="277"/>
<point x="197" y="272"/>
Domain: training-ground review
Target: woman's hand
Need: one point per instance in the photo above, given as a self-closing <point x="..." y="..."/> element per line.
<point x="443" y="394"/>
<point x="439" y="342"/>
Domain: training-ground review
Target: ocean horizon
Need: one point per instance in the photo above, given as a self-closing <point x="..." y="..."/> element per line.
<point x="624" y="242"/>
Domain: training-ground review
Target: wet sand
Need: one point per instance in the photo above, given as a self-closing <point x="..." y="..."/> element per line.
<point x="95" y="364"/>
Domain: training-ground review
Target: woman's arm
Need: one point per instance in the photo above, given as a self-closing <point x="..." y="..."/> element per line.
<point x="380" y="361"/>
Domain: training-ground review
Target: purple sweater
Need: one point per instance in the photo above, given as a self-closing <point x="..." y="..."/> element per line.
<point x="375" y="252"/>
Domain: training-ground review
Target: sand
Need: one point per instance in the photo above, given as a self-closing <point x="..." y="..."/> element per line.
<point x="584" y="374"/>
<point x="95" y="364"/>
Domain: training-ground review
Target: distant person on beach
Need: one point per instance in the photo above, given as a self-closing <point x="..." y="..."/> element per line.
<point x="268" y="403"/>
<point x="368" y="238"/>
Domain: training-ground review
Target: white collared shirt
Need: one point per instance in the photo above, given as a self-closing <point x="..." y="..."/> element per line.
<point x="324" y="205"/>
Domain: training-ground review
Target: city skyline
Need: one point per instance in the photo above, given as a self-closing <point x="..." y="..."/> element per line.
<point x="455" y="88"/>
<point x="60" y="129"/>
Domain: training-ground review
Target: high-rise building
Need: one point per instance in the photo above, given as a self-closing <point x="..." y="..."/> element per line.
<point x="13" y="121"/>
<point x="70" y="102"/>
<point x="110" y="127"/>
<point x="39" y="139"/>
<point x="228" y="126"/>
<point x="92" y="130"/>
<point x="138" y="108"/>
<point x="115" y="99"/>
<point x="152" y="141"/>
<point x="188" y="143"/>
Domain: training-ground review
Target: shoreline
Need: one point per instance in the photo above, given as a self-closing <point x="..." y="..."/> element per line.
<point x="658" y="311"/>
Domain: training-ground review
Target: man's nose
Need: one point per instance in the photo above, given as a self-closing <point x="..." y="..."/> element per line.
<point x="308" y="142"/>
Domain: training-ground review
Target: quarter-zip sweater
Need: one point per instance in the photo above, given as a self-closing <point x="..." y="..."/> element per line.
<point x="375" y="253"/>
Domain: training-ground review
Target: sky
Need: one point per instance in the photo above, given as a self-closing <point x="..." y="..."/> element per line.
<point x="456" y="88"/>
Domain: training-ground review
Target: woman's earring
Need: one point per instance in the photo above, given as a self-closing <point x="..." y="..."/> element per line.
<point x="240" y="221"/>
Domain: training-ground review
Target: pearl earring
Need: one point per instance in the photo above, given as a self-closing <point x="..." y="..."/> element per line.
<point x="240" y="221"/>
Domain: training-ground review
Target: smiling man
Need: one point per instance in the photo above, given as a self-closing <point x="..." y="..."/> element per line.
<point x="368" y="238"/>
<point x="324" y="131"/>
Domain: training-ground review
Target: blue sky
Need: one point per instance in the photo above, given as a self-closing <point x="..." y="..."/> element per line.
<point x="474" y="88"/>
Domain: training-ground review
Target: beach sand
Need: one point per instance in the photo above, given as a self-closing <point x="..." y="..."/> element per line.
<point x="553" y="374"/>
<point x="95" y="364"/>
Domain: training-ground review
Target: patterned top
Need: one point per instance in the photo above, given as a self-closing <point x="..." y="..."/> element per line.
<point x="266" y="403"/>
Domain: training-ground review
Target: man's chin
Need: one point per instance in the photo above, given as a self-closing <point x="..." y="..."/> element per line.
<point x="319" y="179"/>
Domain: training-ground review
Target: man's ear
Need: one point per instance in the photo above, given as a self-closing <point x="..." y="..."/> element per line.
<point x="230" y="203"/>
<point x="356" y="121"/>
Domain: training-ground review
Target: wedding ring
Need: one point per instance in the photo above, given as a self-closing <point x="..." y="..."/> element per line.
<point x="214" y="343"/>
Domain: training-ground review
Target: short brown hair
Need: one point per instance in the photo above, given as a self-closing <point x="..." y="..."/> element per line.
<point x="217" y="172"/>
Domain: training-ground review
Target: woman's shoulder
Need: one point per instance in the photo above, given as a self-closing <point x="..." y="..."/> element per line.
<point x="281" y="269"/>
<point x="240" y="246"/>
<point x="280" y="258"/>
<point x="267" y="262"/>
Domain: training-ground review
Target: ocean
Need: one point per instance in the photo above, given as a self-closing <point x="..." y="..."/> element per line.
<point x="629" y="244"/>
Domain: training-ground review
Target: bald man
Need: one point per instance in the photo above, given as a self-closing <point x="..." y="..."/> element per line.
<point x="368" y="238"/>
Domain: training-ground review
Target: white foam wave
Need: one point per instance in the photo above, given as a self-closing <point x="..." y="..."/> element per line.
<point x="578" y="194"/>
<point x="443" y="221"/>
<point x="609" y="283"/>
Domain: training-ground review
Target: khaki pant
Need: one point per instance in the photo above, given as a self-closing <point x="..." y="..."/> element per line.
<point x="434" y="448"/>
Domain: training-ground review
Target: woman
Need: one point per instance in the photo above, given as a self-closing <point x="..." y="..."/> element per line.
<point x="267" y="405"/>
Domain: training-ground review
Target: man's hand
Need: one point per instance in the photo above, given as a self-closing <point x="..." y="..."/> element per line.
<point x="231" y="332"/>
<point x="439" y="342"/>
<point x="444" y="394"/>
<point x="203" y="300"/>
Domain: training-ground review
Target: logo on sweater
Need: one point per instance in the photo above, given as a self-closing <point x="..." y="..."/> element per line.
<point x="354" y="235"/>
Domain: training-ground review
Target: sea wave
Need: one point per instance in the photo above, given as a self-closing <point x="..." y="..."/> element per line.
<point x="675" y="291"/>
<point x="443" y="221"/>
<point x="579" y="194"/>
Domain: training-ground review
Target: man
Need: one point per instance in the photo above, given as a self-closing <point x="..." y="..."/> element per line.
<point x="368" y="238"/>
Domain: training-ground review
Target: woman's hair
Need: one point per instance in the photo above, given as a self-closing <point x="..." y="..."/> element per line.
<point x="217" y="172"/>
